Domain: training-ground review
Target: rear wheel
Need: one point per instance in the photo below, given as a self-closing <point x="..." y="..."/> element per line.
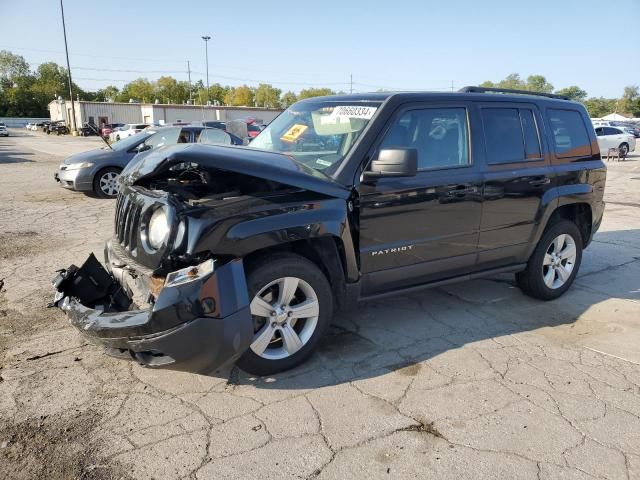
<point x="105" y="183"/>
<point x="623" y="149"/>
<point x="555" y="262"/>
<point x="291" y="308"/>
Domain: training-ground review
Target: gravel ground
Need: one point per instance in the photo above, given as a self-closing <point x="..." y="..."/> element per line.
<point x="470" y="381"/>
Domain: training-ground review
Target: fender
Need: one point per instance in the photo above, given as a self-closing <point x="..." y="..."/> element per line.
<point x="557" y="197"/>
<point x="250" y="231"/>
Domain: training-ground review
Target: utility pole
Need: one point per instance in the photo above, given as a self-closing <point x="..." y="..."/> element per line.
<point x="351" y="83"/>
<point x="452" y="85"/>
<point x="74" y="130"/>
<point x="206" y="39"/>
<point x="189" y="73"/>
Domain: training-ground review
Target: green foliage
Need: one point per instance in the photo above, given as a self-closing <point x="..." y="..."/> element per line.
<point x="288" y="99"/>
<point x="139" y="90"/>
<point x="573" y="92"/>
<point x="630" y="101"/>
<point x="314" y="92"/>
<point x="599" y="107"/>
<point x="267" y="96"/>
<point x="240" y="96"/>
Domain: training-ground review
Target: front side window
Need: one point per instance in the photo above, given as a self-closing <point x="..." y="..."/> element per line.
<point x="569" y="133"/>
<point x="319" y="133"/>
<point x="440" y="135"/>
<point x="511" y="135"/>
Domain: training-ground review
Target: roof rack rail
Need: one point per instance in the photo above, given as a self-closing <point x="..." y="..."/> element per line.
<point x="509" y="90"/>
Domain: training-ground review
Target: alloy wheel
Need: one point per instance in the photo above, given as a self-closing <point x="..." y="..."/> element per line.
<point x="285" y="314"/>
<point x="559" y="261"/>
<point x="109" y="183"/>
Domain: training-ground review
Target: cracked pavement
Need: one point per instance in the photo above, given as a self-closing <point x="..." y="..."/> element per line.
<point x="472" y="380"/>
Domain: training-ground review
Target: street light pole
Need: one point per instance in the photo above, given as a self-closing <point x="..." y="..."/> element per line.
<point x="206" y="39"/>
<point x="66" y="49"/>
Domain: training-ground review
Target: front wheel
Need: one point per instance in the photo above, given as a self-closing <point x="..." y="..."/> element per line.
<point x="555" y="262"/>
<point x="291" y="308"/>
<point x="105" y="183"/>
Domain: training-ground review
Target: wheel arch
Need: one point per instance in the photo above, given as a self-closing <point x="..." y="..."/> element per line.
<point x="326" y="252"/>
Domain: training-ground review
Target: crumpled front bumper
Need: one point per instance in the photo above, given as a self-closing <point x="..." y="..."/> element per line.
<point x="197" y="326"/>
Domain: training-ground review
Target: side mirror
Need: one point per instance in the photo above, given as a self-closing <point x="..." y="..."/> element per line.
<point x="142" y="148"/>
<point x="393" y="162"/>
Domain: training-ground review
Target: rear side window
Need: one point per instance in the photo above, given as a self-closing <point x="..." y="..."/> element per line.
<point x="612" y="131"/>
<point x="511" y="135"/>
<point x="570" y="135"/>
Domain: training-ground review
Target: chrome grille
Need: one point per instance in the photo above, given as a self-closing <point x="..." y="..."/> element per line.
<point x="127" y="222"/>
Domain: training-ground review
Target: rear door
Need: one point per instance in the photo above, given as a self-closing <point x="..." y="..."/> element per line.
<point x="517" y="174"/>
<point x="421" y="229"/>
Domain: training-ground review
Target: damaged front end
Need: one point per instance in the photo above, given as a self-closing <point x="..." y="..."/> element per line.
<point x="173" y="293"/>
<point x="199" y="320"/>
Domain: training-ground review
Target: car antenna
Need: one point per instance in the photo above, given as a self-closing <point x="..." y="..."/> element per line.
<point x="98" y="133"/>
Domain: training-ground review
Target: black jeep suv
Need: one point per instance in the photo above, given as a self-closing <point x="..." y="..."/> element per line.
<point x="241" y="254"/>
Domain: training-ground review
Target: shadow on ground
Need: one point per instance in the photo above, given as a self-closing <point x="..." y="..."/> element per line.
<point x="399" y="333"/>
<point x="9" y="155"/>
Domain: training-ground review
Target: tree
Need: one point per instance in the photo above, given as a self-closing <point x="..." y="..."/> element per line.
<point x="240" y="96"/>
<point x="169" y="90"/>
<point x="630" y="101"/>
<point x="288" y="99"/>
<point x="315" y="92"/>
<point x="141" y="90"/>
<point x="216" y="93"/>
<point x="513" y="81"/>
<point x="599" y="107"/>
<point x="573" y="92"/>
<point x="268" y="96"/>
<point x="13" y="68"/>
<point x="538" y="83"/>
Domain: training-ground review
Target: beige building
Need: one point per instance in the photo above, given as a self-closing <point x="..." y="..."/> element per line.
<point x="153" y="113"/>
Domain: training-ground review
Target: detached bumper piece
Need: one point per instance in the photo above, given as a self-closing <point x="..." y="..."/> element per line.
<point x="196" y="326"/>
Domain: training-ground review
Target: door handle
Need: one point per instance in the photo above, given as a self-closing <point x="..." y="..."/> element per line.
<point x="538" y="182"/>
<point x="461" y="190"/>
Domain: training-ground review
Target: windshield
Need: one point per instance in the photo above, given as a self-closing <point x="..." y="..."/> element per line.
<point x="317" y="134"/>
<point x="130" y="142"/>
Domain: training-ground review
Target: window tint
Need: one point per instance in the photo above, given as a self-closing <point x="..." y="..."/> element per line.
<point x="569" y="133"/>
<point x="511" y="135"/>
<point x="503" y="135"/>
<point x="600" y="131"/>
<point x="164" y="136"/>
<point x="531" y="137"/>
<point x="612" y="131"/>
<point x="438" y="134"/>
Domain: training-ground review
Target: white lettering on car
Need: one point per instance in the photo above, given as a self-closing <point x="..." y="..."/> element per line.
<point x="386" y="251"/>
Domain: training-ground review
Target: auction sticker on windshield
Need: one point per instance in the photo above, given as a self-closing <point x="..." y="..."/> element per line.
<point x="294" y="133"/>
<point x="354" y="112"/>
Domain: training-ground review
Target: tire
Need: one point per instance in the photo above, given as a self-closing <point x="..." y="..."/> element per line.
<point x="117" y="138"/>
<point x="548" y="276"/>
<point x="269" y="353"/>
<point x="623" y="149"/>
<point x="105" y="184"/>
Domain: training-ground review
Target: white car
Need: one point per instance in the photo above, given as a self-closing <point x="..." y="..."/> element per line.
<point x="126" y="131"/>
<point x="3" y="130"/>
<point x="615" y="137"/>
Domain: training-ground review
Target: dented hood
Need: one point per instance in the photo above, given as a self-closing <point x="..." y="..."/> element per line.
<point x="271" y="166"/>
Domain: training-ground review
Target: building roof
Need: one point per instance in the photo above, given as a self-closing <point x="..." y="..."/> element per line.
<point x="177" y="105"/>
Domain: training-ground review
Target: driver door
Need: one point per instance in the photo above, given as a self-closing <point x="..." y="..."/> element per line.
<point x="424" y="228"/>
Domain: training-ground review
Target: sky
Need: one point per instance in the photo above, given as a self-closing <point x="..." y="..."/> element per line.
<point x="396" y="45"/>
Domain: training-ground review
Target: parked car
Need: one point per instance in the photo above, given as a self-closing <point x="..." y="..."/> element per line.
<point x="59" y="128"/>
<point x="3" y="130"/>
<point x="241" y="254"/>
<point x="107" y="128"/>
<point x="615" y="137"/>
<point x="98" y="170"/>
<point x="126" y="131"/>
<point x="36" y="126"/>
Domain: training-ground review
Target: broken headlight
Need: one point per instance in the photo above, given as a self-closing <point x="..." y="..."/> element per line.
<point x="158" y="229"/>
<point x="189" y="274"/>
